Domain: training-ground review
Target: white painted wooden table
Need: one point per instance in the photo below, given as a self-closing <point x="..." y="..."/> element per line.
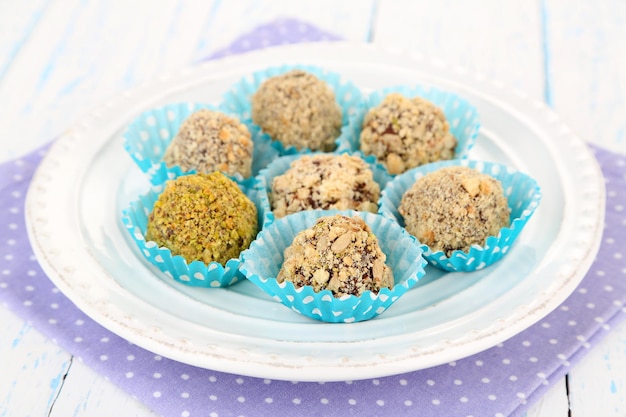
<point x="59" y="58"/>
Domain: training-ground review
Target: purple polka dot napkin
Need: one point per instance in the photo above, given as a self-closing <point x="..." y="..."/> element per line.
<point x="501" y="381"/>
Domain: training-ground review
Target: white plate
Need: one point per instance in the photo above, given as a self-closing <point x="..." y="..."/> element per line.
<point x="86" y="179"/>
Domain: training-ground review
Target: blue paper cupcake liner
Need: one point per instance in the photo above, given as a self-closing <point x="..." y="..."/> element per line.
<point x="263" y="260"/>
<point x="148" y="135"/>
<point x="195" y="273"/>
<point x="523" y="195"/>
<point x="280" y="165"/>
<point x="237" y="100"/>
<point x="461" y="115"/>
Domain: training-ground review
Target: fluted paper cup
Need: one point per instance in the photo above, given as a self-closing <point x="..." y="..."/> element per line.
<point x="461" y="115"/>
<point x="237" y="100"/>
<point x="263" y="260"/>
<point x="149" y="134"/>
<point x="280" y="165"/>
<point x="523" y="195"/>
<point x="195" y="273"/>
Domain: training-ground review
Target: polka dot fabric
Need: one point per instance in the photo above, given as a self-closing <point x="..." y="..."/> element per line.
<point x="501" y="381"/>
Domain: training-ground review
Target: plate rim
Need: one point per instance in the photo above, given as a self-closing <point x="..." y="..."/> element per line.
<point x="128" y="327"/>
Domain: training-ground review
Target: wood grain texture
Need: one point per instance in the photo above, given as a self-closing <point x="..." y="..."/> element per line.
<point x="587" y="68"/>
<point x="36" y="367"/>
<point x="347" y="19"/>
<point x="597" y="384"/>
<point x="86" y="393"/>
<point x="586" y="64"/>
<point x="501" y="43"/>
<point x="554" y="404"/>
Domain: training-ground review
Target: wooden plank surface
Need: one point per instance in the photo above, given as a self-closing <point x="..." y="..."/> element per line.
<point x="587" y="67"/>
<point x="586" y="46"/>
<point x="33" y="368"/>
<point x="59" y="58"/>
<point x="501" y="43"/>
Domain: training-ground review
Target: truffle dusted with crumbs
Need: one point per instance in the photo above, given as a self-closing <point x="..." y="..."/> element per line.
<point x="210" y="141"/>
<point x="298" y="109"/>
<point x="325" y="181"/>
<point x="403" y="133"/>
<point x="454" y="208"/>
<point x="203" y="217"/>
<point x="340" y="254"/>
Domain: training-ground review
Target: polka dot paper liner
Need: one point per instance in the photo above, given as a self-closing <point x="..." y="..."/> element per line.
<point x="195" y="273"/>
<point x="263" y="260"/>
<point x="461" y="115"/>
<point x="280" y="165"/>
<point x="148" y="135"/>
<point x="523" y="195"/>
<point x="237" y="100"/>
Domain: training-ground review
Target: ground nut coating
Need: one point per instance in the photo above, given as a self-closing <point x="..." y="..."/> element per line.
<point x="404" y="133"/>
<point x="298" y="109"/>
<point x="210" y="141"/>
<point x="203" y="217"/>
<point x="325" y="181"/>
<point x="454" y="208"/>
<point x="338" y="253"/>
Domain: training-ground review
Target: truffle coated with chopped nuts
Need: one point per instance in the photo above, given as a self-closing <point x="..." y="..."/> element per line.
<point x="325" y="181"/>
<point x="298" y="109"/>
<point x="338" y="253"/>
<point x="403" y="133"/>
<point x="210" y="141"/>
<point x="203" y="217"/>
<point x="454" y="208"/>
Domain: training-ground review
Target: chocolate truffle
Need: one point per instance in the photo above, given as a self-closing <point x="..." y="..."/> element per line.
<point x="203" y="217"/>
<point x="454" y="208"/>
<point x="403" y="133"/>
<point x="298" y="109"/>
<point x="325" y="181"/>
<point x="210" y="141"/>
<point x="340" y="254"/>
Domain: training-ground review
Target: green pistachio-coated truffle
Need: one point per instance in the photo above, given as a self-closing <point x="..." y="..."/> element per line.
<point x="203" y="217"/>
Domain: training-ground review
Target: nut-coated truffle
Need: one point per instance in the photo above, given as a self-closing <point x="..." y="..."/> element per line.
<point x="298" y="109"/>
<point x="210" y="141"/>
<point x="403" y="133"/>
<point x="203" y="217"/>
<point x="338" y="253"/>
<point x="454" y="208"/>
